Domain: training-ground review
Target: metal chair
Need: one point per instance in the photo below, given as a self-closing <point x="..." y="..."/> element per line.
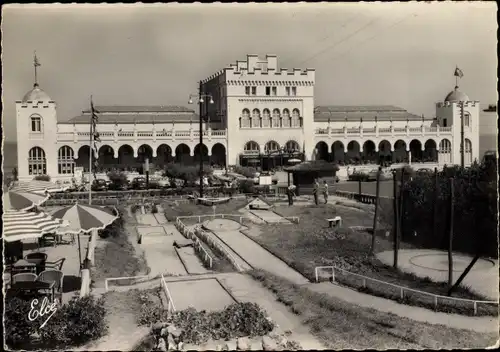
<point x="57" y="265"/>
<point x="23" y="277"/>
<point x="55" y="276"/>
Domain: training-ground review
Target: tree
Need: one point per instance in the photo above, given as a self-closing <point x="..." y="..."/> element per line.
<point x="118" y="178"/>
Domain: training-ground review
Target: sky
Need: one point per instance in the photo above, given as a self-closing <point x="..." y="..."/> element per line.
<point x="401" y="54"/>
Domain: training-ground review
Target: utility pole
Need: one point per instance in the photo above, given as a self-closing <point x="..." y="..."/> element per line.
<point x="462" y="138"/>
<point x="200" y="102"/>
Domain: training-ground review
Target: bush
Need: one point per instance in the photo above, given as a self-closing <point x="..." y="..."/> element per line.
<point x="154" y="209"/>
<point x="41" y="178"/>
<point x="79" y="321"/>
<point x="18" y="328"/>
<point x="237" y="320"/>
<point x="118" y="178"/>
<point x="475" y="207"/>
<point x="186" y="173"/>
<point x="116" y="228"/>
<point x="248" y="172"/>
<point x="246" y="186"/>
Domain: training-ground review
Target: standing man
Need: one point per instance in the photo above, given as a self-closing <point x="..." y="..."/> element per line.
<point x="315" y="191"/>
<point x="325" y="191"/>
<point x="291" y="194"/>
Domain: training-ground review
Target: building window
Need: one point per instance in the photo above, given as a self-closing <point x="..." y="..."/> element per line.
<point x="252" y="148"/>
<point x="467" y="120"/>
<point x="292" y="147"/>
<point x="295" y="118"/>
<point x="294" y="91"/>
<point x="254" y="90"/>
<point x="247" y="90"/>
<point x="274" y="91"/>
<point x="65" y="160"/>
<point x="37" y="164"/>
<point x="245" y="119"/>
<point x="256" y="118"/>
<point x="36" y="123"/>
<point x="287" y="91"/>
<point x="445" y="146"/>
<point x="266" y="118"/>
<point x="286" y="118"/>
<point x="268" y="90"/>
<point x="271" y="147"/>
<point x="445" y="123"/>
<point x="276" y="118"/>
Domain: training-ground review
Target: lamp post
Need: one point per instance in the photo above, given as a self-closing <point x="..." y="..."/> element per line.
<point x="201" y="99"/>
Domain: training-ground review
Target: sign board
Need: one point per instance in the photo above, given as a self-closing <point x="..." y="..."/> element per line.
<point x="146" y="165"/>
<point x="78" y="174"/>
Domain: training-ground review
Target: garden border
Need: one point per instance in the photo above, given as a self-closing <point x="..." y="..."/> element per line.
<point x="402" y="288"/>
<point x="170" y="301"/>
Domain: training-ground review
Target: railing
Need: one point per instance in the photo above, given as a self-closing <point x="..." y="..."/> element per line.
<point x="95" y="201"/>
<point x="209" y="240"/>
<point x="402" y="290"/>
<point x="213" y="216"/>
<point x="111" y="279"/>
<point x="198" y="246"/>
<point x="382" y="131"/>
<point x="170" y="301"/>
<point x="110" y="135"/>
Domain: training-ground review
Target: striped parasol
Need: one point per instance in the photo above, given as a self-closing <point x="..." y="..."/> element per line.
<point x="18" y="200"/>
<point x="21" y="224"/>
<point x="35" y="186"/>
<point x="80" y="218"/>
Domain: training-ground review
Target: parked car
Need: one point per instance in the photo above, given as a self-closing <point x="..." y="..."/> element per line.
<point x="139" y="183"/>
<point x="163" y="182"/>
<point x="125" y="186"/>
<point x="385" y="175"/>
<point x="425" y="171"/>
<point x="99" y="185"/>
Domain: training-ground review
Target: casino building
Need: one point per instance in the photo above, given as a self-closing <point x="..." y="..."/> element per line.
<point x="253" y="113"/>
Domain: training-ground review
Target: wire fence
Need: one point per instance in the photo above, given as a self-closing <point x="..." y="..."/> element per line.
<point x="400" y="293"/>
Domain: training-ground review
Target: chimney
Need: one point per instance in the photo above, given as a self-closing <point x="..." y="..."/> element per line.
<point x="272" y="62"/>
<point x="252" y="62"/>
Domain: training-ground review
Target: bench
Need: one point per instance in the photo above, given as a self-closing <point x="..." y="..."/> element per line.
<point x="335" y="222"/>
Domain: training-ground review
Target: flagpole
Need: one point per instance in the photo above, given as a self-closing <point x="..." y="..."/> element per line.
<point x="90" y="151"/>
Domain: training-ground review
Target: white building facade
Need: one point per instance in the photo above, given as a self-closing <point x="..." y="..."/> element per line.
<point x="261" y="115"/>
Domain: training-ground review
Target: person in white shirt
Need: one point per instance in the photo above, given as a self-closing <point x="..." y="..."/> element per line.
<point x="325" y="191"/>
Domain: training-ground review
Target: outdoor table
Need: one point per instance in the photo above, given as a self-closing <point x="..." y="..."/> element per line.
<point x="39" y="262"/>
<point x="22" y="264"/>
<point x="33" y="286"/>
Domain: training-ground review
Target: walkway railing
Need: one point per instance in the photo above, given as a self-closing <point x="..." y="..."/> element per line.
<point x="403" y="291"/>
<point x="170" y="301"/>
<point x="208" y="239"/>
<point x="198" y="246"/>
<point x="213" y="216"/>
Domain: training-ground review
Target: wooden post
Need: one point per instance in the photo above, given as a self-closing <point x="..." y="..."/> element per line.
<point x="359" y="188"/>
<point x="450" y="244"/>
<point x="375" y="217"/>
<point x="464" y="274"/>
<point x="401" y="209"/>
<point x="435" y="203"/>
<point x="395" y="227"/>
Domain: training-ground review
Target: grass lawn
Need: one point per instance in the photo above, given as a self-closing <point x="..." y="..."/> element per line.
<point x="311" y="243"/>
<point x="341" y="325"/>
<point x="118" y="256"/>
<point x="172" y="209"/>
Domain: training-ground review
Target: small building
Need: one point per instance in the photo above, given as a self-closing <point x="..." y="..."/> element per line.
<point x="304" y="174"/>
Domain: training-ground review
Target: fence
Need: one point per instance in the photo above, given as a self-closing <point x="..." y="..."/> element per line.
<point x="205" y="237"/>
<point x="213" y="216"/>
<point x="62" y="202"/>
<point x="131" y="280"/>
<point x="198" y="246"/>
<point x="403" y="292"/>
<point x="170" y="301"/>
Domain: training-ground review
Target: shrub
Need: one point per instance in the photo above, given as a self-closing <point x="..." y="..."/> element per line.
<point x="41" y="178"/>
<point x="246" y="186"/>
<point x="118" y="178"/>
<point x="248" y="172"/>
<point x="18" y="328"/>
<point x="116" y="228"/>
<point x="154" y="209"/>
<point x="79" y="321"/>
<point x="475" y="207"/>
<point x="186" y="173"/>
<point x="236" y="320"/>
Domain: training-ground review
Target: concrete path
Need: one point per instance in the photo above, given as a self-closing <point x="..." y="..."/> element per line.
<point x="269" y="216"/>
<point x="257" y="256"/>
<point x="191" y="261"/>
<point x="160" y="252"/>
<point x="201" y="294"/>
<point x="483" y="278"/>
<point x="160" y="215"/>
<point x="245" y="289"/>
<point x="479" y="324"/>
<point x="146" y="219"/>
<point x="237" y="258"/>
